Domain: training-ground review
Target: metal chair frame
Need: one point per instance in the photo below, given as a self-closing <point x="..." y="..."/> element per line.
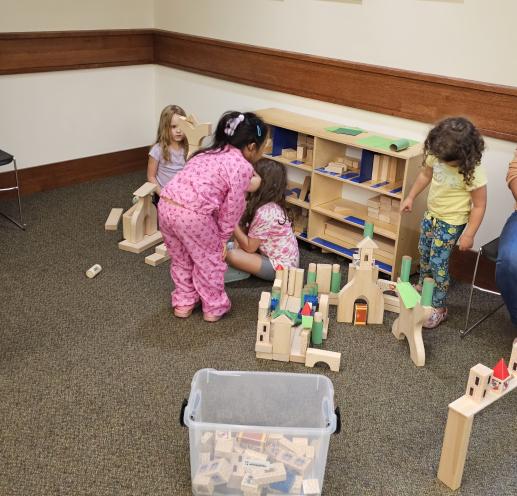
<point x="473" y="286"/>
<point x="20" y="224"/>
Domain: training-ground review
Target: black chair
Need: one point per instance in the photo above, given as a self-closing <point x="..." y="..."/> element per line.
<point x="6" y="159"/>
<point x="489" y="251"/>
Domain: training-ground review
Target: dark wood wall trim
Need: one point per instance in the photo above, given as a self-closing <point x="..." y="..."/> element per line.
<point x="65" y="50"/>
<point x="401" y="93"/>
<point x="56" y="175"/>
<point x="412" y="95"/>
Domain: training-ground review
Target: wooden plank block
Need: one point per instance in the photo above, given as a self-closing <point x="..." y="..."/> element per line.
<point x="145" y="189"/>
<point x="113" y="219"/>
<point x="156" y="259"/>
<point x="144" y="244"/>
<point x="161" y="249"/>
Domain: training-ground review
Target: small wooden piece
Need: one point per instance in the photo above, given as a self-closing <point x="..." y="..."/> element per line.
<point x="194" y="131"/>
<point x="331" y="358"/>
<point x="323" y="277"/>
<point x="113" y="219"/>
<point x="311" y="487"/>
<point x="93" y="271"/>
<point x="305" y="188"/>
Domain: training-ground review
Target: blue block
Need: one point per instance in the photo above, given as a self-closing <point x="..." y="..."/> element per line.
<point x="303" y="235"/>
<point x="311" y="299"/>
<point x="283" y="138"/>
<point x="396" y="190"/>
<point x="341" y="249"/>
<point x="274" y="304"/>
<point x="378" y="185"/>
<point x="297" y="162"/>
<point x="366" y="166"/>
<point x="384" y="266"/>
<point x="284" y="486"/>
<point x="349" y="175"/>
<point x="355" y="220"/>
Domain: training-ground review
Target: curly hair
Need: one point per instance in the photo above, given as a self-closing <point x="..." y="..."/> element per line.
<point x="272" y="189"/>
<point x="457" y="140"/>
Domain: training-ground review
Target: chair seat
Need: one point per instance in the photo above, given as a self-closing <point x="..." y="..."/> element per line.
<point x="5" y="158"/>
<point x="491" y="249"/>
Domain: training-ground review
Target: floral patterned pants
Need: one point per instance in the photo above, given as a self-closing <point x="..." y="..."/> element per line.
<point x="437" y="239"/>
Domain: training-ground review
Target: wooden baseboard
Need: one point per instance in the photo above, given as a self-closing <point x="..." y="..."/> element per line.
<point x="59" y="174"/>
<point x="461" y="268"/>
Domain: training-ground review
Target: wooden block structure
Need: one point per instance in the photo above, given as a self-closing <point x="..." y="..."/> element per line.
<point x="139" y="223"/>
<point x="285" y="330"/>
<point x="363" y="285"/>
<point x="158" y="257"/>
<point x="384" y="208"/>
<point x="384" y="168"/>
<point x="113" y="219"/>
<point x="194" y="131"/>
<point x="289" y="154"/>
<point x="484" y="387"/>
<point x="414" y="311"/>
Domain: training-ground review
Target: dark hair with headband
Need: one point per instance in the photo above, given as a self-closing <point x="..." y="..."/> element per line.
<point x="239" y="130"/>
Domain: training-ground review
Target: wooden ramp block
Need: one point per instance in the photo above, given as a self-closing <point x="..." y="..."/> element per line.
<point x="113" y="219"/>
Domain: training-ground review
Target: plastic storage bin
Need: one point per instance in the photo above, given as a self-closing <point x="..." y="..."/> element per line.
<point x="259" y="433"/>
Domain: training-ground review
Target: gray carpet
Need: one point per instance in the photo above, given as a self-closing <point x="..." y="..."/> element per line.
<point x="93" y="371"/>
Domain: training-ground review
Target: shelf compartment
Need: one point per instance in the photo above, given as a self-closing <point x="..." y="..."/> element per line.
<point x="386" y="188"/>
<point x="356" y="215"/>
<point x="295" y="189"/>
<point x="293" y="163"/>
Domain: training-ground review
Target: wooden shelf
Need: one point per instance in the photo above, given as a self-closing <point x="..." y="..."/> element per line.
<point x="385" y="189"/>
<point x="294" y="200"/>
<point x="340" y="231"/>
<point x="292" y="163"/>
<point x="357" y="216"/>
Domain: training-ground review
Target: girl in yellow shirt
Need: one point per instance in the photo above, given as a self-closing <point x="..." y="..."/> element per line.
<point x="455" y="204"/>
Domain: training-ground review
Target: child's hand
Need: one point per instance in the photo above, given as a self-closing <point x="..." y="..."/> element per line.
<point x="406" y="205"/>
<point x="466" y="242"/>
<point x="254" y="183"/>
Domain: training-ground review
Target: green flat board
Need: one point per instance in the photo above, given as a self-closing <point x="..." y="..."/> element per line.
<point x="351" y="131"/>
<point x="385" y="143"/>
<point x="410" y="296"/>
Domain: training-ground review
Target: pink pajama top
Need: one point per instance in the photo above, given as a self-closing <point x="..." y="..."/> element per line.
<point x="213" y="184"/>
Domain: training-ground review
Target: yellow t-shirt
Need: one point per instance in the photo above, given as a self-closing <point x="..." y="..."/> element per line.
<point x="449" y="197"/>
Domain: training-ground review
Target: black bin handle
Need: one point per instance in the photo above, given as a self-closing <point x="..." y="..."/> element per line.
<point x="338" y="420"/>
<point x="182" y="412"/>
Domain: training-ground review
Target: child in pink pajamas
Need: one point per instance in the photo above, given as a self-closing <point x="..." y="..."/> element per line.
<point x="200" y="208"/>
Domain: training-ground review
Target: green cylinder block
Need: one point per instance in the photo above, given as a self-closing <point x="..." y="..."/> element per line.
<point x="427" y="292"/>
<point x="405" y="270"/>
<point x="311" y="277"/>
<point x="335" y="282"/>
<point x="317" y="332"/>
<point x="368" y="230"/>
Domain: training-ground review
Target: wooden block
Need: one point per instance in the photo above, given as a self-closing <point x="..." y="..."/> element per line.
<point x="113" y="219"/>
<point x="374" y="201"/>
<point x="305" y="188"/>
<point x="263" y="348"/>
<point x="281" y="357"/>
<point x="143" y="245"/>
<point x="291" y="283"/>
<point x="384" y="218"/>
<point x="386" y="200"/>
<point x="392" y="169"/>
<point x="298" y="286"/>
<point x="323" y="276"/>
<point x="161" y="249"/>
<point x="376" y="168"/>
<point x="311" y="487"/>
<point x="384" y="166"/>
<point x="309" y="157"/>
<point x="264" y="356"/>
<point x="145" y="189"/>
<point x="301" y="153"/>
<point x="224" y="448"/>
<point x="331" y="358"/>
<point x="156" y="259"/>
<point x="289" y="153"/>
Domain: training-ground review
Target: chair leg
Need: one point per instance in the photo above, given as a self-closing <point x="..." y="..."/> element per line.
<point x="465" y="329"/>
<point x="20" y="224"/>
<point x="482" y="319"/>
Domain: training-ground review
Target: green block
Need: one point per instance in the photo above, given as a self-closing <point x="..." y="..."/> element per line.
<point x="405" y="269"/>
<point x="335" y="282"/>
<point x="311" y="277"/>
<point x="408" y="294"/>
<point x="427" y="292"/>
<point x="317" y="333"/>
<point x="368" y="230"/>
<point x="307" y="321"/>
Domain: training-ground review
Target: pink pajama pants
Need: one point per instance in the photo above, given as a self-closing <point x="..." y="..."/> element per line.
<point x="197" y="266"/>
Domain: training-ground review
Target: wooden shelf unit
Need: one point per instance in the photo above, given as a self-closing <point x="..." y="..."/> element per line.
<point x="337" y="206"/>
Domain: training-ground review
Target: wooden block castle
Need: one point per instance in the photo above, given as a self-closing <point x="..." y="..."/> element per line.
<point x="295" y="315"/>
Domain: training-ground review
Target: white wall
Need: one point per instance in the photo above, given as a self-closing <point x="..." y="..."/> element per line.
<point x="54" y="116"/>
<point x="472" y="39"/>
<point x="63" y="15"/>
<point x="208" y="98"/>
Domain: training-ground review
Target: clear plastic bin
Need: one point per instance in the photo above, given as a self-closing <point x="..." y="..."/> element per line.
<point x="259" y="433"/>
